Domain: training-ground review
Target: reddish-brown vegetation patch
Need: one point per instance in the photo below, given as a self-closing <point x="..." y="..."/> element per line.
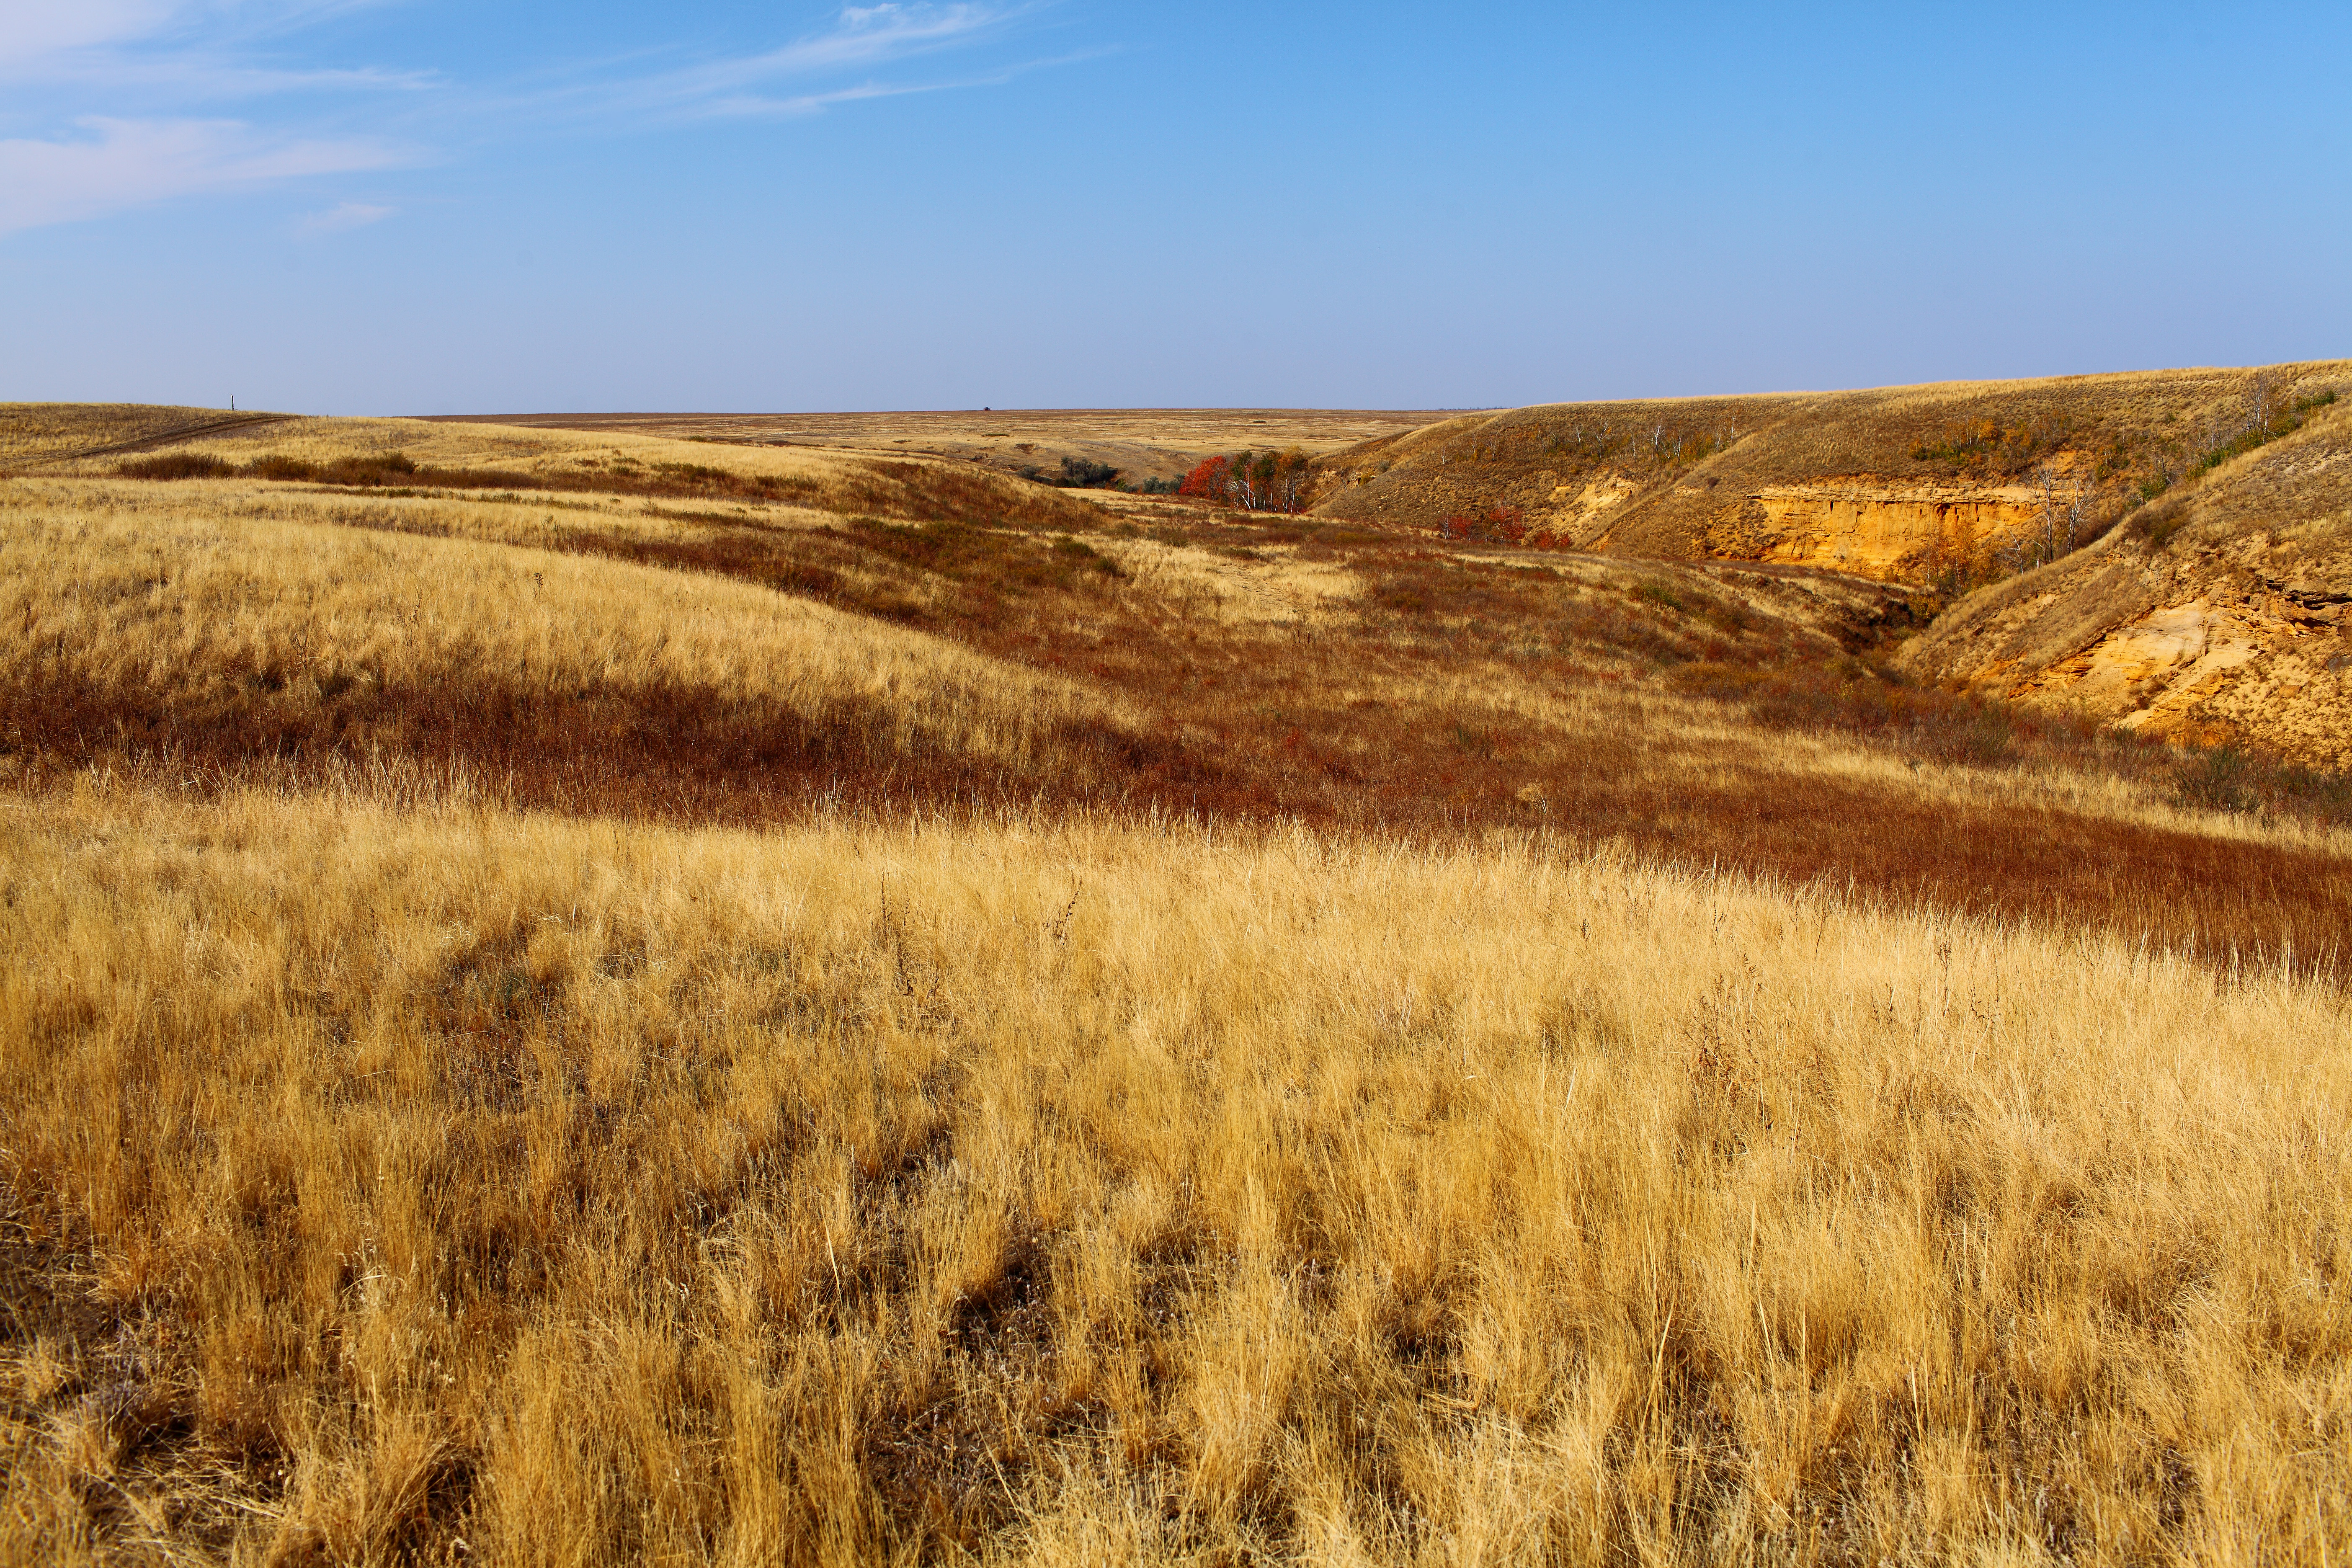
<point x="1412" y="713"/>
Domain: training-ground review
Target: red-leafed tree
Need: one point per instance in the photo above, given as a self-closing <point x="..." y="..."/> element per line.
<point x="1208" y="481"/>
<point x="1253" y="481"/>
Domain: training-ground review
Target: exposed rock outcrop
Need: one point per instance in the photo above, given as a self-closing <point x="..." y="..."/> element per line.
<point x="1580" y="519"/>
<point x="2221" y="614"/>
<point x="1892" y="531"/>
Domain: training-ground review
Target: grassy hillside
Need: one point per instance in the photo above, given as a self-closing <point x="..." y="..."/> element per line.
<point x="406" y="456"/>
<point x="237" y="640"/>
<point x="580" y="997"/>
<point x="231" y="627"/>
<point x="1934" y="485"/>
<point x="33" y="434"/>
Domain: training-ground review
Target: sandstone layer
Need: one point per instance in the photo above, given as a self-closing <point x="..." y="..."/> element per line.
<point x="2220" y="615"/>
<point x="1890" y="532"/>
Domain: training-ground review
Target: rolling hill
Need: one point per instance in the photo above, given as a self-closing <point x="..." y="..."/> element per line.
<point x="2164" y="550"/>
<point x="1139" y="445"/>
<point x="1943" y="484"/>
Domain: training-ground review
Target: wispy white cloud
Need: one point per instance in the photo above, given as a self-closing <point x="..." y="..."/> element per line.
<point x="750" y="106"/>
<point x="201" y="49"/>
<point x="344" y="217"/>
<point x="766" y="107"/>
<point x="862" y="35"/>
<point x="37" y="31"/>
<point x="861" y="39"/>
<point x="126" y="98"/>
<point x="120" y="99"/>
<point x="203" y="76"/>
<point x="119" y="163"/>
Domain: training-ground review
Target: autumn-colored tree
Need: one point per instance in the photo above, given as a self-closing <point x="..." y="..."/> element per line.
<point x="1208" y="481"/>
<point x="1253" y="481"/>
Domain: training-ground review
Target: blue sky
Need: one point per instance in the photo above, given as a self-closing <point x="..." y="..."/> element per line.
<point x="424" y="206"/>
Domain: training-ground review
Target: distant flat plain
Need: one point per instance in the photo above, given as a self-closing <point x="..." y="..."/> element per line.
<point x="1141" y="443"/>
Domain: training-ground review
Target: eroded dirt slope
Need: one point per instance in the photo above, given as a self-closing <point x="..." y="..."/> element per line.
<point x="2221" y="613"/>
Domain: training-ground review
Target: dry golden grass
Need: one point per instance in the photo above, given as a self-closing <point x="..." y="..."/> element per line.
<point x="459" y="458"/>
<point x="1413" y="1079"/>
<point x="34" y="432"/>
<point x="1277" y="670"/>
<point x="1141" y="443"/>
<point x="481" y="446"/>
<point x="315" y="635"/>
<point x="382" y="1179"/>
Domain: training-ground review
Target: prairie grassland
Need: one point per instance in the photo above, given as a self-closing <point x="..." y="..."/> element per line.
<point x="1141" y="443"/>
<point x="463" y="446"/>
<point x="208" y="639"/>
<point x="380" y="1180"/>
<point x="35" y="433"/>
<point x="1714" y="718"/>
<point x="461" y="457"/>
<point x="643" y="1017"/>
